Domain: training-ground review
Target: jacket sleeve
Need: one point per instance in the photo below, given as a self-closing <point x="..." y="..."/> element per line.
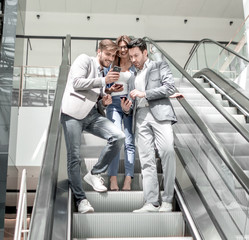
<point x="80" y="70"/>
<point x="160" y="83"/>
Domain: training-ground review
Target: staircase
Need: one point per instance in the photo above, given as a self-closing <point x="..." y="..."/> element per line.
<point x="113" y="217"/>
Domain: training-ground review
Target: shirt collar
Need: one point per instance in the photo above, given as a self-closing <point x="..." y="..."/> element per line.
<point x="145" y="65"/>
<point x="100" y="70"/>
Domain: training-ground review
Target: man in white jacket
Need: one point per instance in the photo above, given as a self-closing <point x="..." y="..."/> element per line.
<point x="79" y="112"/>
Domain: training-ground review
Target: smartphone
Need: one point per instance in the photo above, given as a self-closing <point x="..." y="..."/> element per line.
<point x="118" y="85"/>
<point x="116" y="69"/>
<point x="123" y="97"/>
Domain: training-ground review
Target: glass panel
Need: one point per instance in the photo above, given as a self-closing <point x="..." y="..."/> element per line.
<point x="226" y="200"/>
<point x="225" y="63"/>
<point x="38" y="86"/>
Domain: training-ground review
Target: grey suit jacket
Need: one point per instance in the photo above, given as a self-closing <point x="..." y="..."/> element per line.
<point x="159" y="85"/>
<point x="83" y="87"/>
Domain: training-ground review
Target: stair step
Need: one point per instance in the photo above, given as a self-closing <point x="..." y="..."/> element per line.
<point x="199" y="96"/>
<point x="205" y="103"/>
<point x="116" y="201"/>
<point x="139" y="238"/>
<point x="191" y="90"/>
<point x="217" y="128"/>
<point x="213" y="116"/>
<point x="220" y="119"/>
<point x="213" y="110"/>
<point x="181" y="81"/>
<point x="114" y="225"/>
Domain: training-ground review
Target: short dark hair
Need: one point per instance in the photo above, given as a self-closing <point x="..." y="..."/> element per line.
<point x="137" y="42"/>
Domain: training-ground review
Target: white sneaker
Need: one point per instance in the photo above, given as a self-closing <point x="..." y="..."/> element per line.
<point x="85" y="207"/>
<point x="166" y="207"/>
<point x="147" y="207"/>
<point x="96" y="181"/>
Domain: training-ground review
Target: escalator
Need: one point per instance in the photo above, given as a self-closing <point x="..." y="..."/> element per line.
<point x="211" y="189"/>
<point x="231" y="87"/>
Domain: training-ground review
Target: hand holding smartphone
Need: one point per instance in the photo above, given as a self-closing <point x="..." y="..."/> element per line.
<point x="118" y="85"/>
<point x="116" y="69"/>
<point x="123" y="97"/>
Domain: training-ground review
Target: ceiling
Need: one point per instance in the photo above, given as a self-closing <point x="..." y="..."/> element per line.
<point x="187" y="8"/>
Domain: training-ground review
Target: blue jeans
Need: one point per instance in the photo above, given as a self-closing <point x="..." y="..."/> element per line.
<point x="116" y="115"/>
<point x="98" y="126"/>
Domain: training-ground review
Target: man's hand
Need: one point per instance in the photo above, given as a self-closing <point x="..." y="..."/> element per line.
<point x="125" y="104"/>
<point x="111" y="77"/>
<point x="135" y="93"/>
<point x="114" y="88"/>
<point x="106" y="100"/>
<point x="177" y="95"/>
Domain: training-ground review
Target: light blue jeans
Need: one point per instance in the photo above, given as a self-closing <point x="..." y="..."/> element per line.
<point x="116" y="115"/>
<point x="98" y="126"/>
<point x="151" y="132"/>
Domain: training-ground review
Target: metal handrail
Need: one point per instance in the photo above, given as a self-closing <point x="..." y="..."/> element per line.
<point x="194" y="50"/>
<point x="21" y="219"/>
<point x="187" y="213"/>
<point x="42" y="217"/>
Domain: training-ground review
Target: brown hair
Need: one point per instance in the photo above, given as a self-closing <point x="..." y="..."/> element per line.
<point x="108" y="45"/>
<point x="121" y="38"/>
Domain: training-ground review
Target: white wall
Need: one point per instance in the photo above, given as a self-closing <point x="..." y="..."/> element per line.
<point x="33" y="124"/>
<point x="48" y="52"/>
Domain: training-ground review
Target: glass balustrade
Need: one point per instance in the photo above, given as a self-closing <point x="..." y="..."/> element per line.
<point x="210" y="54"/>
<point x="37" y="86"/>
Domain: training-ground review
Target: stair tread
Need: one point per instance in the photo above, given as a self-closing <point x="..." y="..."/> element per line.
<point x="144" y="238"/>
<point x="128" y="225"/>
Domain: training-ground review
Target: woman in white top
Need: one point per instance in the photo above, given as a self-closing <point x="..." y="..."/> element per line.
<point x="116" y="115"/>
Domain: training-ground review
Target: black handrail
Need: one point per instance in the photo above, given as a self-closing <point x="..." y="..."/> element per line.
<point x="43" y="210"/>
<point x="223" y="153"/>
<point x="194" y="50"/>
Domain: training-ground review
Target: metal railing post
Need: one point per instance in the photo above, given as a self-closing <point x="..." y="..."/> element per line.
<point x="22" y="210"/>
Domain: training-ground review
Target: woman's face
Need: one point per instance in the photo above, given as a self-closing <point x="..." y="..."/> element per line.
<point x="123" y="50"/>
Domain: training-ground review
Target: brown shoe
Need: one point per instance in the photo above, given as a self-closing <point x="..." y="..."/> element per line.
<point x="113" y="183"/>
<point x="127" y="184"/>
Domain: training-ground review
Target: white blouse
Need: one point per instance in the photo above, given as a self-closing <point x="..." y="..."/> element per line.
<point x="123" y="79"/>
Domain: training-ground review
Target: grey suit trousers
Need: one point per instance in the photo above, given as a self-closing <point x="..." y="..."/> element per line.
<point x="150" y="132"/>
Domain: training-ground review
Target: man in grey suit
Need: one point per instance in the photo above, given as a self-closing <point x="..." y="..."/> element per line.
<point x="79" y="112"/>
<point x="153" y="116"/>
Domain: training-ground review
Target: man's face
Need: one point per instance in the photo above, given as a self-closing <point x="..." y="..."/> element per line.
<point x="137" y="57"/>
<point x="106" y="57"/>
